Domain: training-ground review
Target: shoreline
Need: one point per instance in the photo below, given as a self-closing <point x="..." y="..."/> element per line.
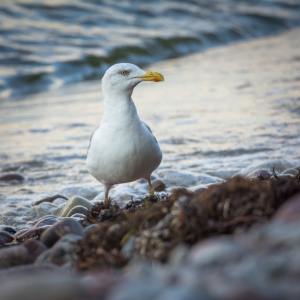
<point x="233" y="111"/>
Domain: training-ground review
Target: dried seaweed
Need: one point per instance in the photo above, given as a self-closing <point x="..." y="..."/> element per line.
<point x="183" y="217"/>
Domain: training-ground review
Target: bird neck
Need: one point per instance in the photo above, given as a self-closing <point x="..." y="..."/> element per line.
<point x="118" y="107"/>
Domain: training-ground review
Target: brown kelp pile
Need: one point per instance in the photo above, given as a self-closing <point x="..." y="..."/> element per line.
<point x="152" y="227"/>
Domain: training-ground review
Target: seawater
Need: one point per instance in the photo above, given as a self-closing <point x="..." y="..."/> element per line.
<point x="47" y="44"/>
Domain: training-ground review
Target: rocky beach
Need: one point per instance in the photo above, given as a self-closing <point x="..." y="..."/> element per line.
<point x="225" y="220"/>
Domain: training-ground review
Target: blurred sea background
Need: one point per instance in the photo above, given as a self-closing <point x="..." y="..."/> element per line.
<point x="218" y="111"/>
<point x="45" y="45"/>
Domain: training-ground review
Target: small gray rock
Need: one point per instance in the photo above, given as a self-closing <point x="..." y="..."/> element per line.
<point x="51" y="235"/>
<point x="13" y="256"/>
<point x="5" y="238"/>
<point x="12" y="177"/>
<point x="290" y="171"/>
<point x="78" y="216"/>
<point x="158" y="185"/>
<point x="180" y="293"/>
<point x="35" y="248"/>
<point x="89" y="228"/>
<point x="78" y="210"/>
<point x="9" y="229"/>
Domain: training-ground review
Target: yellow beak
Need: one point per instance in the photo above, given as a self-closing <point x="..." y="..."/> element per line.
<point x="152" y="76"/>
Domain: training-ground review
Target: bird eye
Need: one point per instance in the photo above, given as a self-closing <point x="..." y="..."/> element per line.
<point x="124" y="73"/>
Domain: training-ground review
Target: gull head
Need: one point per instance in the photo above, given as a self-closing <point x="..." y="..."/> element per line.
<point x="122" y="78"/>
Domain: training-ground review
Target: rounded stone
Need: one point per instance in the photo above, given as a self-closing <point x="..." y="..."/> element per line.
<point x="158" y="185"/>
<point x="5" y="238"/>
<point x="262" y="173"/>
<point x="51" y="235"/>
<point x="89" y="228"/>
<point x="78" y="210"/>
<point x="284" y="176"/>
<point x="13" y="256"/>
<point x="64" y="250"/>
<point x="78" y="216"/>
<point x="12" y="177"/>
<point x="290" y="171"/>
<point x="35" y="248"/>
<point x="73" y="202"/>
<point x="199" y="191"/>
<point x="9" y="229"/>
<point x="49" y="220"/>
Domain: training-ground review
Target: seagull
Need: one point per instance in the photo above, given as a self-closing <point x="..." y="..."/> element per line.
<point x="123" y="149"/>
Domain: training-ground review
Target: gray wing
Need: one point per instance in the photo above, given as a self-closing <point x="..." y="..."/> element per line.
<point x="149" y="130"/>
<point x="91" y="137"/>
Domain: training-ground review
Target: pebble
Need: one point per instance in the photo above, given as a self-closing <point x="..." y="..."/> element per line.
<point x="128" y="248"/>
<point x="31" y="233"/>
<point x="198" y="190"/>
<point x="46" y="208"/>
<point x="73" y="202"/>
<point x="47" y="220"/>
<point x="78" y="216"/>
<point x="89" y="228"/>
<point x="70" y="191"/>
<point x="5" y="238"/>
<point x="9" y="229"/>
<point x="51" y="235"/>
<point x="285" y="176"/>
<point x="78" y="210"/>
<point x="264" y="173"/>
<point x="158" y="185"/>
<point x="290" y="171"/>
<point x="64" y="250"/>
<point x="12" y="177"/>
<point x="289" y="211"/>
<point x="34" y="248"/>
<point x="13" y="256"/>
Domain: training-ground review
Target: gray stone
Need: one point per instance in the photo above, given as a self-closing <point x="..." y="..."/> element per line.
<point x="5" y="238"/>
<point x="64" y="251"/>
<point x="48" y="220"/>
<point x="8" y="229"/>
<point x="78" y="216"/>
<point x="12" y="177"/>
<point x="89" y="228"/>
<point x="158" y="185"/>
<point x="35" y="248"/>
<point x="13" y="256"/>
<point x="259" y="173"/>
<point x="128" y="248"/>
<point x="43" y="258"/>
<point x="78" y="210"/>
<point x="51" y="235"/>
<point x="290" y="171"/>
<point x="198" y="190"/>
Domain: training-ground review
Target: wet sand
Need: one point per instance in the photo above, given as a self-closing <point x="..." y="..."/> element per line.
<point x="216" y="113"/>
